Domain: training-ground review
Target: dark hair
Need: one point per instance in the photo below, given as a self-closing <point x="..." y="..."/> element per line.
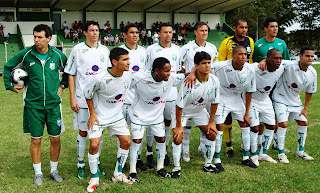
<point x="128" y="26"/>
<point x="88" y="23"/>
<point x="115" y="53"/>
<point x="235" y="49"/>
<point x="43" y="27"/>
<point x="200" y="24"/>
<point x="158" y="63"/>
<point x="199" y="56"/>
<point x="268" y="20"/>
<point x="164" y="25"/>
<point x="237" y="22"/>
<point x="304" y="48"/>
<point x="271" y="51"/>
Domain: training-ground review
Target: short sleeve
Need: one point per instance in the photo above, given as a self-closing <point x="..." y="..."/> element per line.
<point x="71" y="67"/>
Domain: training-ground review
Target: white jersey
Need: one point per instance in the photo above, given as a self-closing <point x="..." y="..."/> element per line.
<point x="150" y="97"/>
<point x="195" y="99"/>
<point x="108" y="93"/>
<point x="84" y="63"/>
<point x="138" y="59"/>
<point x="189" y="50"/>
<point x="234" y="82"/>
<point x="292" y="82"/>
<point x="265" y="81"/>
<point x="172" y="53"/>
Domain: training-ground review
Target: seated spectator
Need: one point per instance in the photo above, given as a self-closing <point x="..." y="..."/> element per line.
<point x="75" y="36"/>
<point x="106" y="40"/>
<point x="184" y="39"/>
<point x="109" y="27"/>
<point x="174" y="41"/>
<point x="111" y="40"/>
<point x="6" y="39"/>
<point x="67" y="33"/>
<point x="180" y="38"/>
<point x="108" y="33"/>
<point x="121" y="37"/>
<point x="117" y="40"/>
<point x="183" y="31"/>
<point x="64" y="25"/>
<point x="105" y="29"/>
<point x="75" y="24"/>
<point x="79" y="32"/>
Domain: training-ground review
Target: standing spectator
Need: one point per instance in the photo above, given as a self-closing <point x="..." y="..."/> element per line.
<point x="149" y="37"/>
<point x="121" y="37"/>
<point x="80" y="25"/>
<point x="75" y="24"/>
<point x="122" y="26"/>
<point x="6" y="38"/>
<point x="64" y="25"/>
<point x="105" y="29"/>
<point x="180" y="38"/>
<point x="155" y="37"/>
<point x="184" y="39"/>
<point x="144" y="37"/>
<point x="218" y="27"/>
<point x="42" y="98"/>
<point x="67" y="33"/>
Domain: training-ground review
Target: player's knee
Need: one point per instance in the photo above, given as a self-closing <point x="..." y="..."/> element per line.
<point x="125" y="143"/>
<point x="138" y="141"/>
<point x="219" y="127"/>
<point x="83" y="133"/>
<point x="255" y="129"/>
<point x="303" y="123"/>
<point x="167" y="122"/>
<point x="35" y="142"/>
<point x="177" y="141"/>
<point x="283" y="124"/>
<point x="160" y="139"/>
<point x="271" y="127"/>
<point x="212" y="136"/>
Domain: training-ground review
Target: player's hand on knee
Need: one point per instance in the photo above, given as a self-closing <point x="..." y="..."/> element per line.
<point x="178" y="133"/>
<point x="92" y="119"/>
<point x="212" y="127"/>
<point x="246" y="120"/>
<point x="304" y="113"/>
<point x="17" y="89"/>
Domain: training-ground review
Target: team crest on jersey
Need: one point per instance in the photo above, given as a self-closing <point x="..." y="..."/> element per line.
<point x="270" y="48"/>
<point x="174" y="57"/>
<point x="102" y="58"/>
<point x="305" y="81"/>
<point x="165" y="88"/>
<point x="158" y="50"/>
<point x="52" y="66"/>
<point x="126" y="84"/>
<point x="108" y="81"/>
<point x="59" y="122"/>
<point x="263" y="73"/>
<point x="85" y="50"/>
<point x="249" y="50"/>
<point x="242" y="80"/>
<point x="210" y="91"/>
<point x="141" y="59"/>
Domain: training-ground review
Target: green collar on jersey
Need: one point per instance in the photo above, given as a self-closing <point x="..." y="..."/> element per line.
<point x="199" y="79"/>
<point x="199" y="45"/>
<point x="130" y="48"/>
<point x="300" y="67"/>
<point x="163" y="46"/>
<point x="234" y="67"/>
<point x="111" y="73"/>
<point x="90" y="46"/>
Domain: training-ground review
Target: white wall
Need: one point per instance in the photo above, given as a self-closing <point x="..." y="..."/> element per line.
<point x="28" y="40"/>
<point x="213" y="19"/>
<point x="128" y="16"/>
<point x="101" y="18"/>
<point x="70" y="17"/>
<point x="154" y="17"/>
<point x="184" y="18"/>
<point x="26" y="27"/>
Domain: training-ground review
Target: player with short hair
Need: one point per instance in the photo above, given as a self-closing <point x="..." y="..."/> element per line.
<point x="261" y="48"/>
<point x="41" y="98"/>
<point x="236" y="77"/>
<point x="105" y="95"/>
<point x="188" y="52"/>
<point x="191" y="104"/>
<point x="240" y="37"/>
<point x="138" y="57"/>
<point x="261" y="109"/>
<point x="86" y="60"/>
<point x="297" y="76"/>
<point x="151" y="92"/>
<point x="172" y="52"/>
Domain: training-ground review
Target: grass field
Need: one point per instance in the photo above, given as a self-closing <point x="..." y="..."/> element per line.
<point x="16" y="171"/>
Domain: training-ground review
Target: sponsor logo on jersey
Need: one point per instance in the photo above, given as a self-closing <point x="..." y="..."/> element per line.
<point x="155" y="100"/>
<point x="141" y="59"/>
<point x="228" y="70"/>
<point x="118" y="96"/>
<point x="260" y="45"/>
<point x="135" y="68"/>
<point x="265" y="89"/>
<point x="293" y="87"/>
<point x="270" y="47"/>
<point x="117" y="99"/>
<point x="93" y="70"/>
<point x="174" y="57"/>
<point x="200" y="100"/>
<point x="85" y="50"/>
<point x="232" y="87"/>
<point x="149" y="82"/>
<point x="52" y="66"/>
<point x="279" y="44"/>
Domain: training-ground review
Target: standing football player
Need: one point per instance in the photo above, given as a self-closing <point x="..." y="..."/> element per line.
<point x="105" y="95"/>
<point x="172" y="52"/>
<point x="87" y="59"/>
<point x="188" y="52"/>
<point x="43" y="64"/>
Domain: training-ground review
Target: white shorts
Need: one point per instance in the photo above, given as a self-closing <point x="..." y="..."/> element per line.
<point x="285" y="113"/>
<point x="199" y="119"/>
<point x="80" y="119"/>
<point x="169" y="108"/>
<point x="117" y="128"/>
<point x="261" y="114"/>
<point x="237" y="111"/>
<point x="138" y="130"/>
<point x="125" y="112"/>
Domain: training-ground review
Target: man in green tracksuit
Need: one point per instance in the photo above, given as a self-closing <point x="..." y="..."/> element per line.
<point x="41" y="96"/>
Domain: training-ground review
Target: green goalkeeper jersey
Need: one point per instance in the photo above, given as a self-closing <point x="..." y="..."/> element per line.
<point x="262" y="46"/>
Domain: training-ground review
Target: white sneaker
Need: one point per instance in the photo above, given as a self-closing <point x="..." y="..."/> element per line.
<point x="268" y="159"/>
<point x="283" y="158"/>
<point x="255" y="160"/>
<point x="186" y="156"/>
<point x="121" y="178"/>
<point x="93" y="184"/>
<point x="304" y="155"/>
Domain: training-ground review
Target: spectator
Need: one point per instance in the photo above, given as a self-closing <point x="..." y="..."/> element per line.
<point x="111" y="40"/>
<point x="149" y="37"/>
<point x="75" y="35"/>
<point x="121" y="37"/>
<point x="144" y="37"/>
<point x="180" y="38"/>
<point x="6" y="39"/>
<point x="174" y="41"/>
<point x="192" y="26"/>
<point x="121" y="27"/>
<point x="79" y="30"/>
<point x="155" y="37"/>
<point x="105" y="29"/>
<point x="80" y="25"/>
<point x="106" y="40"/>
<point x="65" y="25"/>
<point x="1" y="32"/>
<point x="117" y="40"/>
<point x="67" y="33"/>
<point x="218" y="27"/>
<point x="108" y="33"/>
<point x="75" y="25"/>
<point x="183" y="31"/>
<point x="184" y="39"/>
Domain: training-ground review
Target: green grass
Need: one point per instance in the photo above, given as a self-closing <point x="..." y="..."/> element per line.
<point x="16" y="171"/>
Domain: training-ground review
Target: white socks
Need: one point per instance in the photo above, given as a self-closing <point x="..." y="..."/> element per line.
<point x="93" y="164"/>
<point x="81" y="148"/>
<point x="176" y="154"/>
<point x="186" y="138"/>
<point x="149" y="139"/>
<point x="53" y="166"/>
<point x="122" y="155"/>
<point x="266" y="141"/>
<point x="281" y="133"/>
<point x="209" y="151"/>
<point x="134" y="151"/>
<point x="167" y="129"/>
<point x="302" y="134"/>
<point x="218" y="147"/>
<point x="254" y="143"/>
<point x="37" y="168"/>
<point x="161" y="152"/>
<point x="245" y="137"/>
